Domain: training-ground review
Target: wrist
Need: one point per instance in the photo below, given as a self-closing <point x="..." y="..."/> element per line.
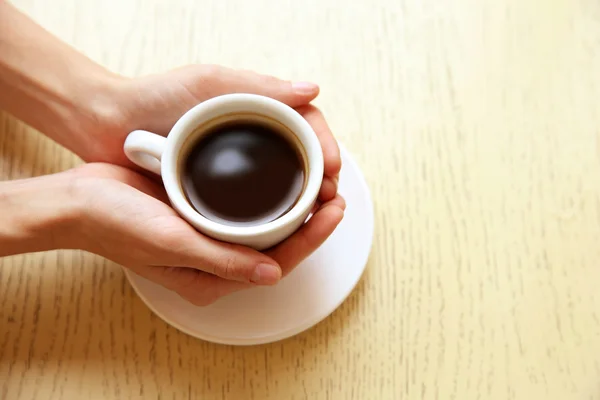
<point x="93" y="118"/>
<point x="52" y="87"/>
<point x="39" y="214"/>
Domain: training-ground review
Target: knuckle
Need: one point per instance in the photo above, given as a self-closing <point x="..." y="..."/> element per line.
<point x="274" y="83"/>
<point x="273" y="80"/>
<point x="229" y="267"/>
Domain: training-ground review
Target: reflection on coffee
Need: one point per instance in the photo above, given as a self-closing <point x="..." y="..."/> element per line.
<point x="243" y="173"/>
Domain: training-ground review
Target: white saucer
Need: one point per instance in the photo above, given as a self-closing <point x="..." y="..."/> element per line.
<point x="305" y="297"/>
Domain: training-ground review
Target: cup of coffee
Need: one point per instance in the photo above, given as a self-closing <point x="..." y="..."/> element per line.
<point x="240" y="168"/>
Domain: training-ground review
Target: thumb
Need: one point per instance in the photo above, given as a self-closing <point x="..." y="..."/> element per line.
<point x="225" y="260"/>
<point x="220" y="80"/>
<point x="182" y="245"/>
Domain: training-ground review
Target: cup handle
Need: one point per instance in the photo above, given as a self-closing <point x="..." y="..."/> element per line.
<point x="145" y="149"/>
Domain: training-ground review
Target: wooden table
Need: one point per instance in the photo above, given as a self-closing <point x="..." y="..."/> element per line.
<point x="476" y="124"/>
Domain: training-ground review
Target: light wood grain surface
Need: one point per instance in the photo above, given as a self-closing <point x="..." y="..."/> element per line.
<point x="476" y="124"/>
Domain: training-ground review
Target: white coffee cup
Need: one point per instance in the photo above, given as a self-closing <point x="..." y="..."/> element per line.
<point x="163" y="155"/>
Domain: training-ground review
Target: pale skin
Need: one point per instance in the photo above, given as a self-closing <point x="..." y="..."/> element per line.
<point x="109" y="208"/>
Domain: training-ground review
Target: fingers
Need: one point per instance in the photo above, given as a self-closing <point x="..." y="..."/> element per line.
<point x="331" y="151"/>
<point x="180" y="244"/>
<point x="329" y="189"/>
<point x="238" y="263"/>
<point x="217" y="80"/>
<point x="202" y="288"/>
<point x="308" y="238"/>
<point x="197" y="287"/>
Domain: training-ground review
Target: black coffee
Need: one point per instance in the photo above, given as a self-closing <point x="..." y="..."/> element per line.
<point x="243" y="173"/>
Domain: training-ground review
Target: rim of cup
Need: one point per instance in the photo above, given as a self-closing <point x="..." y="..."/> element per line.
<point x="240" y="103"/>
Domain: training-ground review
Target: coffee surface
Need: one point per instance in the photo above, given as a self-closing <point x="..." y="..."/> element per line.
<point x="243" y="174"/>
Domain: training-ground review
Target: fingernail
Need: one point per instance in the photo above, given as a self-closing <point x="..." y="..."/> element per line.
<point x="266" y="274"/>
<point x="304" y="87"/>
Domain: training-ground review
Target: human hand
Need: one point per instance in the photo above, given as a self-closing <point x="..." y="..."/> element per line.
<point x="90" y="110"/>
<point x="127" y="220"/>
<point x="156" y="102"/>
